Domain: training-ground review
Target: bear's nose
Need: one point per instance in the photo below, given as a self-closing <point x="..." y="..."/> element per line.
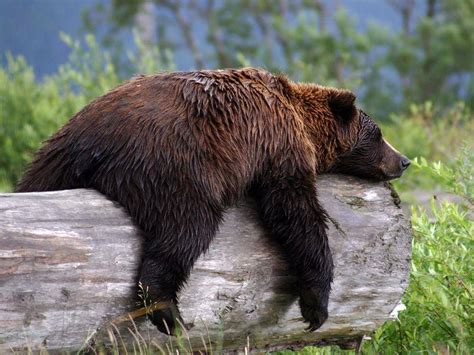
<point x="405" y="163"/>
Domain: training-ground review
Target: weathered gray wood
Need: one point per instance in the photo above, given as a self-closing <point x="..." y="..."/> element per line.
<point x="68" y="264"/>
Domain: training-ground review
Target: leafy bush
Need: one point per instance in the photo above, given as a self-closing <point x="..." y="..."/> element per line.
<point x="29" y="113"/>
<point x="438" y="318"/>
<point x="32" y="110"/>
<point x="429" y="131"/>
<point x="433" y="133"/>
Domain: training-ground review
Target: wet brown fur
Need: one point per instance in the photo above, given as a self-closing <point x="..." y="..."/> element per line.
<point x="177" y="149"/>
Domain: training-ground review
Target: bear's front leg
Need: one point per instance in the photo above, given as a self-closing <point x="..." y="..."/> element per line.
<point x="290" y="209"/>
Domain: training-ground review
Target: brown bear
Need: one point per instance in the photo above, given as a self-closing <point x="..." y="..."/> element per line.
<point x="177" y="149"/>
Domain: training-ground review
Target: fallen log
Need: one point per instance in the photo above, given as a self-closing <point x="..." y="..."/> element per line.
<point x="68" y="264"/>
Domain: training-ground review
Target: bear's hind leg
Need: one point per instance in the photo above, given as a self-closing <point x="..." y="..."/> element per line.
<point x="182" y="235"/>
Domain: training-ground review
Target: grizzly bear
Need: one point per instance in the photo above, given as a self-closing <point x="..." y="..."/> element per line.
<point x="177" y="149"/>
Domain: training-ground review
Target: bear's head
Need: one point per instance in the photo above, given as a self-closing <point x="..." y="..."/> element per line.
<point x="368" y="155"/>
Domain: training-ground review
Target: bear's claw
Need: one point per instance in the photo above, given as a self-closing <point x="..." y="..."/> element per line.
<point x="313" y="308"/>
<point x="167" y="320"/>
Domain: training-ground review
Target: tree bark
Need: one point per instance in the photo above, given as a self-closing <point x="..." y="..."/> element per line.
<point x="68" y="264"/>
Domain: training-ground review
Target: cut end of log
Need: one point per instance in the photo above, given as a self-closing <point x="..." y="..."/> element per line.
<point x="69" y="261"/>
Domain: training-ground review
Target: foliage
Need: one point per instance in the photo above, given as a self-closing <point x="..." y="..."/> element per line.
<point x="459" y="179"/>
<point x="432" y="58"/>
<point x="431" y="132"/>
<point x="32" y="110"/>
<point x="438" y="318"/>
<point x="89" y="72"/>
<point x="29" y="112"/>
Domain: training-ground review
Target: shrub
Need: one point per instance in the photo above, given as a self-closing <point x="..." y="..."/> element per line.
<point x="438" y="317"/>
<point x="432" y="133"/>
<point x="29" y="112"/>
<point x="32" y="110"/>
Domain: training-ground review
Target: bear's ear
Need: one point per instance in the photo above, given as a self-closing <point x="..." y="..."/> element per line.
<point x="341" y="103"/>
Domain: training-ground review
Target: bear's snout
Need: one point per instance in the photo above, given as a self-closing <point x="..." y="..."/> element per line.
<point x="394" y="168"/>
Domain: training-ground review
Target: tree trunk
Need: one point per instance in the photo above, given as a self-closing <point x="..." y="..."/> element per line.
<point x="68" y="264"/>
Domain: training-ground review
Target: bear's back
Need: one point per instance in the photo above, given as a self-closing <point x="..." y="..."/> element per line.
<point x="231" y="92"/>
<point x="217" y="117"/>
